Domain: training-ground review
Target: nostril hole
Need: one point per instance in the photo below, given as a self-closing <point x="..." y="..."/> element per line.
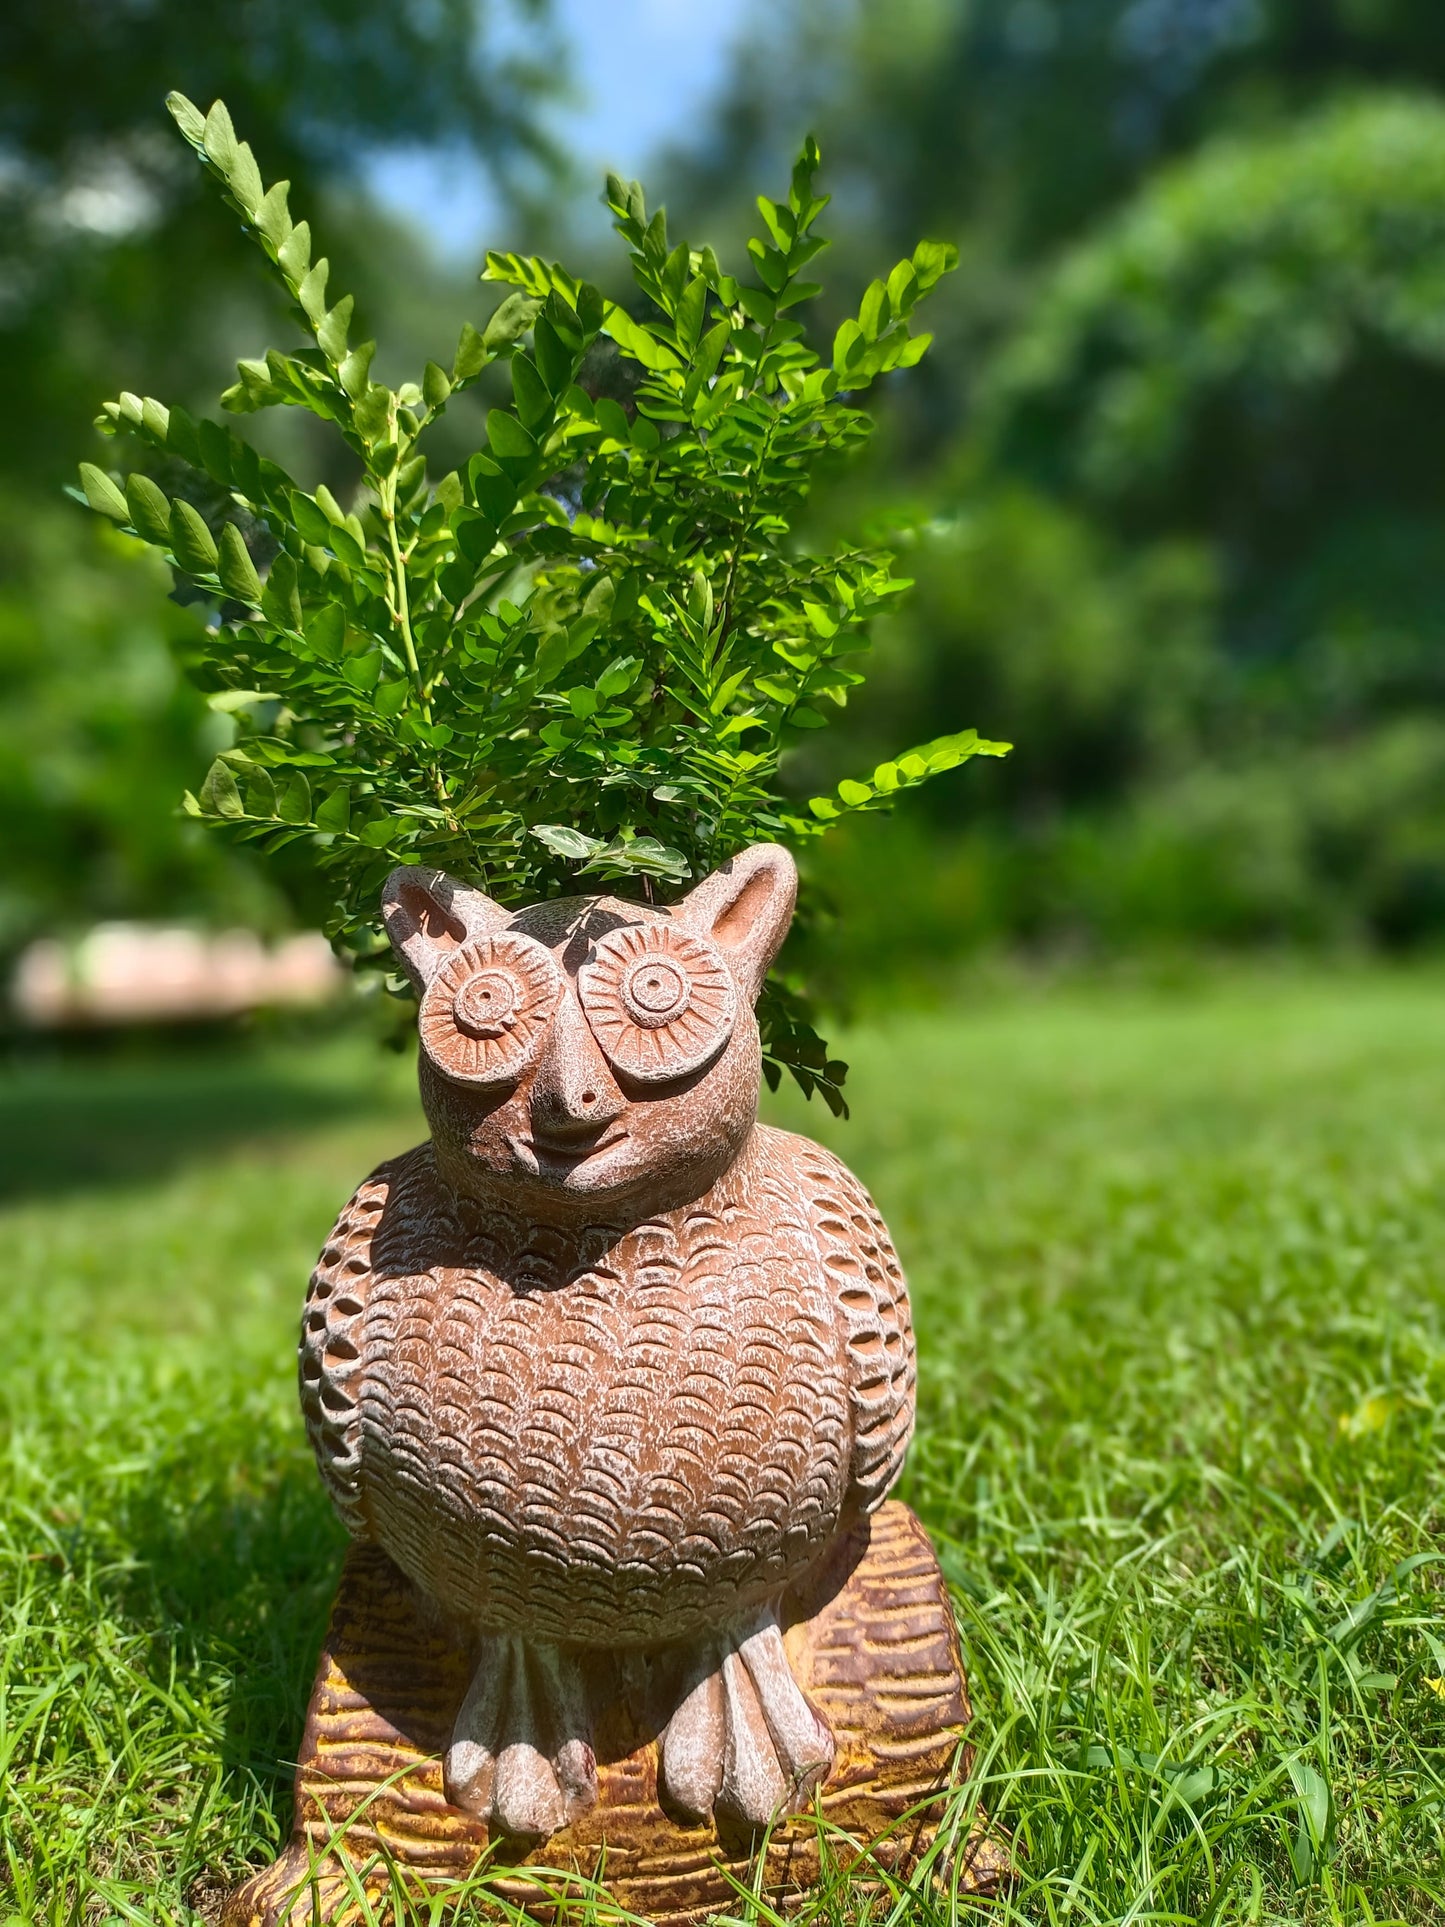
<point x="589" y="1097"/>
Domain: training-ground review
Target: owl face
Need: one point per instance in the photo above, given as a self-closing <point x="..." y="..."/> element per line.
<point x="587" y="1055"/>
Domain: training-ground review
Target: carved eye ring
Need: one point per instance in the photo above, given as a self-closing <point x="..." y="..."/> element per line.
<point x="486" y="1010"/>
<point x="654" y="991"/>
<point x="486" y="1004"/>
<point x="660" y="1000"/>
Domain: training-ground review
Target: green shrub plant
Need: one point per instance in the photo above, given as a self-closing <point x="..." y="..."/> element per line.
<point x="580" y="657"/>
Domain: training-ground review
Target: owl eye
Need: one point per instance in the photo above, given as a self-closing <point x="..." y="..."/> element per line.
<point x="485" y="1011"/>
<point x="660" y="1001"/>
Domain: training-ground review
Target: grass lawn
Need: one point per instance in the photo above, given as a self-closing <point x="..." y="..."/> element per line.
<point x="1176" y="1270"/>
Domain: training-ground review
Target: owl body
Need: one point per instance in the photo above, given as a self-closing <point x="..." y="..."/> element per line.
<point x="606" y="1363"/>
<point x="609" y="1435"/>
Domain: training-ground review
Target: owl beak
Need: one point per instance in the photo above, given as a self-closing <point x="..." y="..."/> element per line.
<point x="574" y="1096"/>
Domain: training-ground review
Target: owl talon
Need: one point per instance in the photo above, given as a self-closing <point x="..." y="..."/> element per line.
<point x="744" y="1743"/>
<point x="521" y="1758"/>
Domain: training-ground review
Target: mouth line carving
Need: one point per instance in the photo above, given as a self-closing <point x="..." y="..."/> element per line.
<point x="551" y="1151"/>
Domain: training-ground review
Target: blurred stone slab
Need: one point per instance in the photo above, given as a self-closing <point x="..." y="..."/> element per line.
<point x="134" y="973"/>
<point x="872" y="1641"/>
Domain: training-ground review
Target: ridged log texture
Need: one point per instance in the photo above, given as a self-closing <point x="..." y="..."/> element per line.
<point x="872" y="1642"/>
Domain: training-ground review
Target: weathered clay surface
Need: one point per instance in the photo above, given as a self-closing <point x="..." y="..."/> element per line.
<point x="623" y="1436"/>
<point x="872" y="1642"/>
<point x="607" y="1380"/>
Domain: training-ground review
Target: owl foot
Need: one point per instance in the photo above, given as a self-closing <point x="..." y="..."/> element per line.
<point x="744" y="1743"/>
<point x="521" y="1758"/>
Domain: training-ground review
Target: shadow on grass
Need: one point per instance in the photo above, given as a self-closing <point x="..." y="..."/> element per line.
<point x="233" y="1588"/>
<point x="115" y="1116"/>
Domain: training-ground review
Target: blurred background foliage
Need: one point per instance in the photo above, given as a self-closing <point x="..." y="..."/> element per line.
<point x="1170" y="482"/>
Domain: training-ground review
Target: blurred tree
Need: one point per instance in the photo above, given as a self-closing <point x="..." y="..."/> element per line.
<point x="1175" y="445"/>
<point x="1254" y="352"/>
<point x="101" y="216"/>
<point x="96" y="728"/>
<point x="102" y="221"/>
<point x="1009" y="126"/>
<point x="1252" y="356"/>
<point x="1199" y="577"/>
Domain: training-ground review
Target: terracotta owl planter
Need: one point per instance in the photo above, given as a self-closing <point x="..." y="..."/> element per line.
<point x="610" y="1382"/>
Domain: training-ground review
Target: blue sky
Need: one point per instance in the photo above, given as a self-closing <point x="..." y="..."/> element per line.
<point x="644" y="70"/>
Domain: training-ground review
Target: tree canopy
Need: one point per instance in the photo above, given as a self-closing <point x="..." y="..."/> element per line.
<point x="1167" y="479"/>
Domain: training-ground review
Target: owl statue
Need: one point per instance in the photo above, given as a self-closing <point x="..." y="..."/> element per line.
<point x="608" y="1365"/>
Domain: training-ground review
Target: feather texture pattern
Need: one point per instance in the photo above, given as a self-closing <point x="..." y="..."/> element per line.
<point x="604" y="1437"/>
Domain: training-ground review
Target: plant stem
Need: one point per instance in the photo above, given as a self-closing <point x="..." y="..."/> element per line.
<point x="401" y="607"/>
<point x="744" y="525"/>
<point x="401" y="614"/>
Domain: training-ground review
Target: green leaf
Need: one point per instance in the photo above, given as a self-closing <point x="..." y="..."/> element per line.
<point x="293" y="803"/>
<point x="102" y="493"/>
<point x="310" y="518"/>
<point x="218" y="138"/>
<point x="187" y="116"/>
<point x="638" y="342"/>
<point x="618" y="676"/>
<point x="334" y="813"/>
<point x="311" y="294"/>
<point x="246" y="182"/>
<point x="508" y="439"/>
<point x="259" y="793"/>
<point x="628" y="855"/>
<point x="471" y="356"/>
<point x="229" y="702"/>
<point x="709" y="355"/>
<point x="932" y="260"/>
<point x="873" y="315"/>
<point x="343" y="543"/>
<point x="363" y="672"/>
<point x="220" y="795"/>
<point x="333" y="328"/>
<point x="612" y="418"/>
<point x="294" y="253"/>
<point x="776" y="688"/>
<point x="566" y="842"/>
<point x="372" y="413"/>
<point x="534" y="403"/>
<point x="150" y="510"/>
<point x="510" y="322"/>
<point x="236" y="569"/>
<point x="273" y="217"/>
<point x="192" y="543"/>
<point x="435" y="386"/>
<point x="555" y="362"/>
<point x="280" y="598"/>
<point x="779" y="222"/>
<point x="354" y="369"/>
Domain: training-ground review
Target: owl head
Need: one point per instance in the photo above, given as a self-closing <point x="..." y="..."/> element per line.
<point x="590" y="1056"/>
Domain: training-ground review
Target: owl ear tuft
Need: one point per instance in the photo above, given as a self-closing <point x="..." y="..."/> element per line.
<point x="428" y="915"/>
<point x="746" y="907"/>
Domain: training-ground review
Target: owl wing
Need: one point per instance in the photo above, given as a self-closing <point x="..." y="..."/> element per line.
<point x="331" y="1361"/>
<point x="871" y="1303"/>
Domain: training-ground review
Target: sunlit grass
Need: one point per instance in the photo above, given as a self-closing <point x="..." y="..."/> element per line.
<point x="1176" y="1269"/>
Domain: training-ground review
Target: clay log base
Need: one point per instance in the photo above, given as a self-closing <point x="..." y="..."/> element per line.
<point x="872" y="1642"/>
